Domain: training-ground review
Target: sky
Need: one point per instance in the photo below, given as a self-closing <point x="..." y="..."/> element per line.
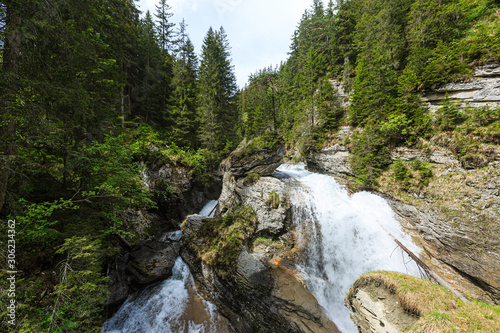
<point x="259" y="31"/>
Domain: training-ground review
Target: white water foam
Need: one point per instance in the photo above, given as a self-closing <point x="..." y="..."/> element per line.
<point x="209" y="210"/>
<point x="347" y="239"/>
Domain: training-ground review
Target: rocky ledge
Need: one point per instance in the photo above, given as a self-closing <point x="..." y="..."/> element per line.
<point x="483" y="90"/>
<point x="390" y="302"/>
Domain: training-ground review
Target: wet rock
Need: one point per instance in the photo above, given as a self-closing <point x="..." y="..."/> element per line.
<point x="139" y="265"/>
<point x="177" y="194"/>
<point x="260" y="298"/>
<point x="254" y="295"/>
<point x="272" y="220"/>
<point x="152" y="261"/>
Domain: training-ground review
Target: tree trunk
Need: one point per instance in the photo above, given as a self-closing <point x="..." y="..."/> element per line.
<point x="10" y="69"/>
<point x="122" y="107"/>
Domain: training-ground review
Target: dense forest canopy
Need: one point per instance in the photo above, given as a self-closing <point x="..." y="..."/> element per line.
<point x="386" y="54"/>
<point x="91" y="91"/>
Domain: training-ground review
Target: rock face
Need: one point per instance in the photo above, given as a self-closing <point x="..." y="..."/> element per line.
<point x="152" y="261"/>
<point x="453" y="253"/>
<point x="273" y="220"/>
<point x="374" y="309"/>
<point x="248" y="159"/>
<point x="483" y="91"/>
<point x="334" y="160"/>
<point x="258" y="297"/>
<point x="235" y="189"/>
<point x="440" y="156"/>
<point x="144" y="263"/>
<point x="176" y="194"/>
<point x="343" y="96"/>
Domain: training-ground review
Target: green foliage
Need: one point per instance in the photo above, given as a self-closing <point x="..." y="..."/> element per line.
<point x="224" y="237"/>
<point x="401" y="173"/>
<point x="251" y="178"/>
<point x="485" y="116"/>
<point x="449" y="116"/>
<point x="37" y="225"/>
<point x="424" y="171"/>
<point x="217" y="84"/>
<point x="267" y="143"/>
<point x="369" y="156"/>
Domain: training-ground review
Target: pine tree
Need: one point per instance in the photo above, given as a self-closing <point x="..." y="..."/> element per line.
<point x="217" y="110"/>
<point x="147" y="95"/>
<point x="164" y="27"/>
<point x="185" y="120"/>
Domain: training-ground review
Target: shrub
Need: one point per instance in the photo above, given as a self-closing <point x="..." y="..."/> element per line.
<point x="449" y="116"/>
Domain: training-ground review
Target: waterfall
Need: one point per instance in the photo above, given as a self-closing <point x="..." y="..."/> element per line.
<point x="345" y="238"/>
<point x="170" y="306"/>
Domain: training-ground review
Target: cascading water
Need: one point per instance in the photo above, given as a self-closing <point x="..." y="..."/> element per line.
<point x="345" y="238"/>
<point x="170" y="306"/>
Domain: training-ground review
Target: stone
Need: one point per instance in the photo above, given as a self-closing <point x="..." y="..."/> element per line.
<point x="374" y="313"/>
<point x="271" y="221"/>
<point x="451" y="251"/>
<point x="152" y="261"/>
<point x="437" y="155"/>
<point x="262" y="162"/>
<point x="334" y="160"/>
<point x="487" y="70"/>
<point x="484" y="91"/>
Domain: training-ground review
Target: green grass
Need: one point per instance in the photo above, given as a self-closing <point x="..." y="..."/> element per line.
<point x="439" y="309"/>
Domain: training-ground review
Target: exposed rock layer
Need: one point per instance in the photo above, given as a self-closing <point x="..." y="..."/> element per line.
<point x="375" y="309"/>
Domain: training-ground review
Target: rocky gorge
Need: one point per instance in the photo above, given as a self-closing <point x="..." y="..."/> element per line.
<point x="244" y="259"/>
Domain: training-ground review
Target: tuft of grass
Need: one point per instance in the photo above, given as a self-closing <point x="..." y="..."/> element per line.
<point x="274" y="200"/>
<point x="251" y="178"/>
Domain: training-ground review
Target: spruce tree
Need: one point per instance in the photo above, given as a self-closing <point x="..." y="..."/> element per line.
<point x="217" y="110"/>
<point x="185" y="122"/>
<point x="164" y="27"/>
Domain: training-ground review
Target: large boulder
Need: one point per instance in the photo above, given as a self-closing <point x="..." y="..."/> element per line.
<point x="152" y="261"/>
<point x="267" y="197"/>
<point x="139" y="265"/>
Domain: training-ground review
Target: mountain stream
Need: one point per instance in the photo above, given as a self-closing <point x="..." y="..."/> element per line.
<point x="346" y="236"/>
